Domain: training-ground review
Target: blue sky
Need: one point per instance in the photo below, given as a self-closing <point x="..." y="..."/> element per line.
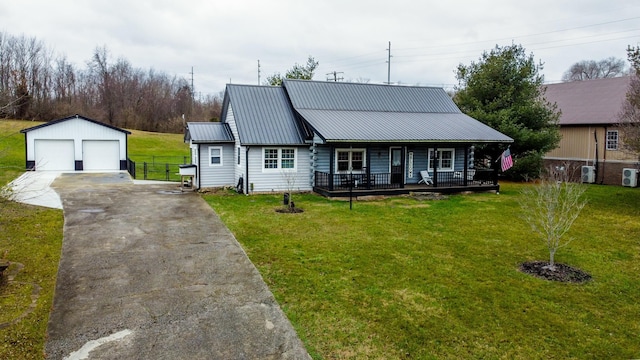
<point x="223" y="40"/>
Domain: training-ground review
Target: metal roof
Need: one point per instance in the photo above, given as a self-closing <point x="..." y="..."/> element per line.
<point x="389" y="127"/>
<point x="263" y="115"/>
<point x="209" y="132"/>
<point x="76" y="116"/>
<point x="342" y="112"/>
<point x="597" y="101"/>
<point x="368" y="97"/>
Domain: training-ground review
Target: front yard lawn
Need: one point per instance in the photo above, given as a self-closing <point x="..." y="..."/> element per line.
<point x="423" y="279"/>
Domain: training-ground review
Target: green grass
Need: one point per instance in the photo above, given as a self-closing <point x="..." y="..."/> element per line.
<point x="157" y="150"/>
<point x="403" y="278"/>
<point x="33" y="237"/>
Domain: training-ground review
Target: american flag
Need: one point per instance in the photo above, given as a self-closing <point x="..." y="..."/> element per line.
<point x="507" y="161"/>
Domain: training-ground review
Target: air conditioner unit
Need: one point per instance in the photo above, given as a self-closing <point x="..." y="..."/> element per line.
<point x="588" y="174"/>
<point x="629" y="177"/>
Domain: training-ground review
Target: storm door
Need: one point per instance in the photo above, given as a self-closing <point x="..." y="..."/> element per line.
<point x="397" y="167"/>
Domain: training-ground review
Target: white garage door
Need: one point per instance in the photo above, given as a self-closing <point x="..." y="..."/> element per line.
<point x="103" y="155"/>
<point x="55" y="155"/>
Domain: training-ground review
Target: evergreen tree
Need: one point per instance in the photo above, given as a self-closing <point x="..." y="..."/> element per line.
<point x="505" y="91"/>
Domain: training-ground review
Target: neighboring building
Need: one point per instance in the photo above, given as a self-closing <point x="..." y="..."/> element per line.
<point x="590" y="143"/>
<point x="331" y="136"/>
<point x="75" y="143"/>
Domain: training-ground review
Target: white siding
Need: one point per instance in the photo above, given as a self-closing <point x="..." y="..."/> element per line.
<point x="216" y="176"/>
<point x="239" y="169"/>
<point x="275" y="181"/>
<point x="77" y="130"/>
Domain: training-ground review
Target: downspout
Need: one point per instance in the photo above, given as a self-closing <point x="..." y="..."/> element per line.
<point x="604" y="155"/>
<point x="246" y="165"/>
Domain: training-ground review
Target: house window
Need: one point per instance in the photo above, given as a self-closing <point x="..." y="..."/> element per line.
<point x="612" y="140"/>
<point x="238" y="155"/>
<point x="288" y="159"/>
<point x="352" y="159"/>
<point x="270" y="158"/>
<point x="215" y="156"/>
<point x="279" y="158"/>
<point x="445" y="159"/>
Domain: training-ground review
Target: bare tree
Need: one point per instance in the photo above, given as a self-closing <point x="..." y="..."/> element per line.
<point x="591" y="69"/>
<point x="552" y="206"/>
<point x="629" y="117"/>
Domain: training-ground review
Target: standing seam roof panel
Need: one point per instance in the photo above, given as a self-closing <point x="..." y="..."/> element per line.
<point x="263" y="115"/>
<point x="317" y="95"/>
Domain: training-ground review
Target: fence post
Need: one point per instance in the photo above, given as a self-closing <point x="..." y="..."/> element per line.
<point x="167" y="170"/>
<point x="145" y="170"/>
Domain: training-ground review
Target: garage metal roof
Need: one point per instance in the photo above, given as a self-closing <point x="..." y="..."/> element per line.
<point x="263" y="115"/>
<point x="76" y="116"/>
<point x="209" y="132"/>
<point x="342" y="112"/>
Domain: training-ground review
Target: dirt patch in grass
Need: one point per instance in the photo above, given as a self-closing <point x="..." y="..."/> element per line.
<point x="562" y="272"/>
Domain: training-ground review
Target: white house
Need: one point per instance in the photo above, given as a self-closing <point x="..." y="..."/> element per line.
<point x="76" y="143"/>
<point x="335" y="138"/>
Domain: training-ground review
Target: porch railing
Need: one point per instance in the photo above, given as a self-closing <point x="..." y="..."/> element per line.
<point x="333" y="182"/>
<point x="358" y="181"/>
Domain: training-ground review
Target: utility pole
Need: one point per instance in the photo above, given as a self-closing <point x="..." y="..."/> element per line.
<point x="335" y="76"/>
<point x="193" y="92"/>
<point x="389" y="65"/>
<point x="258" y="71"/>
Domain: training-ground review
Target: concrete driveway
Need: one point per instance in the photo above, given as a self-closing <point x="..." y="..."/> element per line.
<point x="150" y="272"/>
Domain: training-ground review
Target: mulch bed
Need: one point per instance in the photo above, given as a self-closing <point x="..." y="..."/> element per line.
<point x="289" y="210"/>
<point x="562" y="273"/>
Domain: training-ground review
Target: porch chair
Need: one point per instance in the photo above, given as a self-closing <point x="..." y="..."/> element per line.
<point x="426" y="178"/>
<point x="470" y="174"/>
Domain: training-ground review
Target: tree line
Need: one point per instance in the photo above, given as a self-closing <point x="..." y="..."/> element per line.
<point x="35" y="85"/>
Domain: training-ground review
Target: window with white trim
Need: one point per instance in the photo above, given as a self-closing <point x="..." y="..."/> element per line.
<point x="276" y="158"/>
<point x="445" y="159"/>
<point x="215" y="155"/>
<point x="612" y="139"/>
<point x="350" y="159"/>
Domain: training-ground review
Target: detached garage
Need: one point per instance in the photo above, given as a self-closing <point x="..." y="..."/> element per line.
<point x="76" y="143"/>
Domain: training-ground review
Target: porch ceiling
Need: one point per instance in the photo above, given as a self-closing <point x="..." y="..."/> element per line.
<point x="373" y="126"/>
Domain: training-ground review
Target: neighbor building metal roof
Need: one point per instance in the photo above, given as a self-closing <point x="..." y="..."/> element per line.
<point x="343" y="112"/>
<point x="263" y="115"/>
<point x="208" y="132"/>
<point x="588" y="102"/>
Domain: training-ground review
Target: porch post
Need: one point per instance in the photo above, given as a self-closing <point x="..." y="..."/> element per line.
<point x="368" y="171"/>
<point x="435" y="166"/>
<point x="331" y="164"/>
<point x="497" y="166"/>
<point x="403" y="165"/>
<point x="466" y="165"/>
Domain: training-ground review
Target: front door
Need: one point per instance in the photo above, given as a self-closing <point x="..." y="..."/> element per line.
<point x="396" y="166"/>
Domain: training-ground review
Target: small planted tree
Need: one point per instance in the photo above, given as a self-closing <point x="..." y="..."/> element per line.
<point x="290" y="178"/>
<point x="551" y="207"/>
